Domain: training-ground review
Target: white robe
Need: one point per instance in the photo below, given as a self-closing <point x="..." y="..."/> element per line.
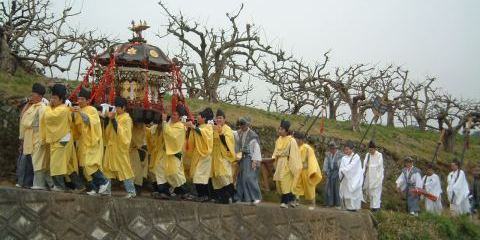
<point x="351" y="180"/>
<point x="372" y="186"/>
<point x="458" y="192"/>
<point x="433" y="186"/>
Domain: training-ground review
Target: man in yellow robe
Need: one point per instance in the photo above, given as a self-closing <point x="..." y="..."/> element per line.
<point x="90" y="143"/>
<point x="201" y="144"/>
<point x="288" y="165"/>
<point x="170" y="171"/>
<point x="34" y="150"/>
<point x="311" y="174"/>
<point x="56" y="130"/>
<point x="139" y="155"/>
<point x="223" y="155"/>
<point x="118" y="135"/>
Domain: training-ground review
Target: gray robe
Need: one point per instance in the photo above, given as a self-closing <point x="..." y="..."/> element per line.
<point x="247" y="186"/>
<point x="331" y="164"/>
<point x="407" y="181"/>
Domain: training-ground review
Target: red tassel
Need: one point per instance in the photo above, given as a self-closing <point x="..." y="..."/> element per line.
<point x="322" y="125"/>
<point x="174" y="102"/>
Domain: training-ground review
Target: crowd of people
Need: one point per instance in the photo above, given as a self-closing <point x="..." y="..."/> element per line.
<point x="79" y="148"/>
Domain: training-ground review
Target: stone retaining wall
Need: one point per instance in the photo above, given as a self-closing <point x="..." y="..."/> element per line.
<point x="27" y="214"/>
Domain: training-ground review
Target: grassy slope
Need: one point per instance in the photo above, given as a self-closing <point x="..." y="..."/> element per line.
<point x="395" y="225"/>
<point x="399" y="142"/>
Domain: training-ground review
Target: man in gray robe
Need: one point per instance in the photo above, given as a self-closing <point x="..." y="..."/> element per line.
<point x="331" y="165"/>
<point x="409" y="179"/>
<point x="248" y="144"/>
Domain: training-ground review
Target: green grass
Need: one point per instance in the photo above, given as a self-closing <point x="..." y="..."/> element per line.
<point x="397" y="142"/>
<point x="395" y="225"/>
<point x="400" y="142"/>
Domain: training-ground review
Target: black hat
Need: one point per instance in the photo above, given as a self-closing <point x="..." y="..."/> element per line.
<point x="244" y="121"/>
<point x="220" y="113"/>
<point x="120" y="102"/>
<point x="59" y="90"/>
<point x="85" y="93"/>
<point x="207" y="113"/>
<point x="456" y="161"/>
<point x="371" y="144"/>
<point x="430" y="166"/>
<point x="38" y="88"/>
<point x="332" y="144"/>
<point x="285" y="124"/>
<point x="350" y="145"/>
<point x="180" y="109"/>
<point x="299" y="135"/>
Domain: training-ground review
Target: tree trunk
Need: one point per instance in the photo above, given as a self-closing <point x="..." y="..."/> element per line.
<point x="7" y="62"/>
<point x="391" y="118"/>
<point x="212" y="95"/>
<point x="355" y="118"/>
<point x="422" y="123"/>
<point x="449" y="140"/>
<point x="296" y="108"/>
<point x="332" y="110"/>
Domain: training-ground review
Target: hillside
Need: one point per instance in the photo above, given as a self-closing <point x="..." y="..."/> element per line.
<point x="395" y="143"/>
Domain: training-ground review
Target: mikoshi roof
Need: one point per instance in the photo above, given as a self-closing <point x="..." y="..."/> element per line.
<point x="137" y="54"/>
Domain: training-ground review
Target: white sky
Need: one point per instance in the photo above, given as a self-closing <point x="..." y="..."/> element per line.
<point x="429" y="37"/>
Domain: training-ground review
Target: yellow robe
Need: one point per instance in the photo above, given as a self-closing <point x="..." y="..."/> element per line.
<point x="288" y="164"/>
<point x="201" y="158"/>
<point x="56" y="124"/>
<point x="30" y="134"/>
<point x="117" y="158"/>
<point x="171" y="167"/>
<point x="140" y="168"/>
<point x="222" y="158"/>
<point x="310" y="175"/>
<point x="155" y="146"/>
<point x="90" y="141"/>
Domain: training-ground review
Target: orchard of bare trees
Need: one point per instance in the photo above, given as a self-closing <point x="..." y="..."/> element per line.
<point x="226" y="64"/>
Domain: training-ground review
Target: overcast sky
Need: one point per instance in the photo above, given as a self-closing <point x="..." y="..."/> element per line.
<point x="429" y="37"/>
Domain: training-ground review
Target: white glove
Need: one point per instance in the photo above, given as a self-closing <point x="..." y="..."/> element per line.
<point x="45" y="101"/>
<point x="68" y="103"/>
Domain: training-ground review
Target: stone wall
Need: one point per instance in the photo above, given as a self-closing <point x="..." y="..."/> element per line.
<point x="27" y="214"/>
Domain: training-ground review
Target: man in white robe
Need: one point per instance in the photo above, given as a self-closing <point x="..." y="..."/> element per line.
<point x="410" y="179"/>
<point x="432" y="185"/>
<point x="373" y="177"/>
<point x="351" y="179"/>
<point x="458" y="190"/>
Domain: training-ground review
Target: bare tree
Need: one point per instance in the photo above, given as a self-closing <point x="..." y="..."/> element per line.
<point x="332" y="99"/>
<point x="391" y="87"/>
<point x="418" y="100"/>
<point x="352" y="84"/>
<point x="223" y="55"/>
<point x="273" y="104"/>
<point x="239" y="96"/>
<point x="36" y="35"/>
<point x="452" y="115"/>
<point x="296" y="82"/>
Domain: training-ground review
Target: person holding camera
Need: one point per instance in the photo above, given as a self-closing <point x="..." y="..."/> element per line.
<point x="118" y="136"/>
<point x="90" y="143"/>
